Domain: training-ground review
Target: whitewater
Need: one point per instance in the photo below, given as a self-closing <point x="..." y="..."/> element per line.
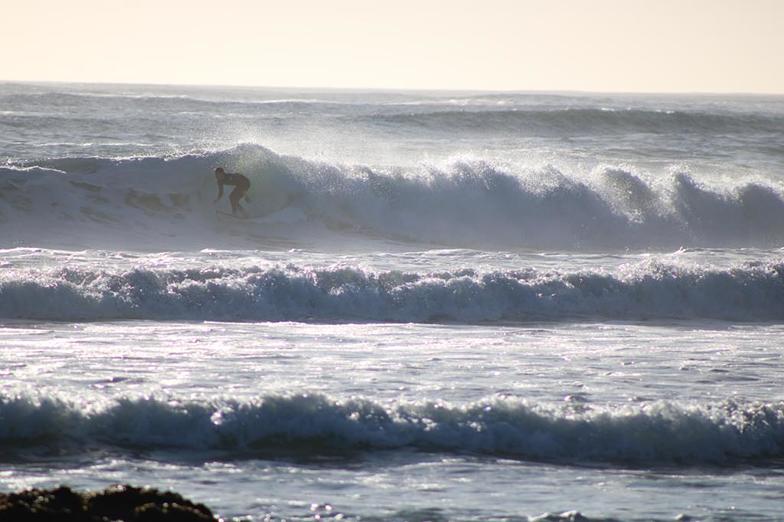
<point x="439" y="305"/>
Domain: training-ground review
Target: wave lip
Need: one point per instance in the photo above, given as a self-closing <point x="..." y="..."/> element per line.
<point x="661" y="432"/>
<point x="644" y="291"/>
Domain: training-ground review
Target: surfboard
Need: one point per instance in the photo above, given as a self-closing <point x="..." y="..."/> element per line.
<point x="229" y="214"/>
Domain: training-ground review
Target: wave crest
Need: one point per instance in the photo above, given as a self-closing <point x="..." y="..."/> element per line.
<point x="648" y="290"/>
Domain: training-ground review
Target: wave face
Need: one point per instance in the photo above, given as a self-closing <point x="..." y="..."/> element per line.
<point x="659" y="433"/>
<point x="644" y="291"/>
<point x="465" y="203"/>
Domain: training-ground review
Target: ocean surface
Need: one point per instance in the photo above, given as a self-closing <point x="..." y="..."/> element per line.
<point x="441" y="306"/>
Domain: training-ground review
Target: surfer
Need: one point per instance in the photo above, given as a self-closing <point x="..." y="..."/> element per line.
<point x="241" y="185"/>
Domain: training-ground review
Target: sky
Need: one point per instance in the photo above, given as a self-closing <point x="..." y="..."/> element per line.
<point x="551" y="45"/>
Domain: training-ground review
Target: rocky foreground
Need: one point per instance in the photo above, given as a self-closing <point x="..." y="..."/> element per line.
<point x="116" y="503"/>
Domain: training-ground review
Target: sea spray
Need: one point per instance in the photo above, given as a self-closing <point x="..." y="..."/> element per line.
<point x="463" y="203"/>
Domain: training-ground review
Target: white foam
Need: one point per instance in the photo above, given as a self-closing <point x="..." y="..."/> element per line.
<point x="654" y="433"/>
<point x="646" y="290"/>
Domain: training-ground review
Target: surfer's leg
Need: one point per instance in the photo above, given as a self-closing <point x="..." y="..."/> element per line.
<point x="234" y="198"/>
<point x="243" y="188"/>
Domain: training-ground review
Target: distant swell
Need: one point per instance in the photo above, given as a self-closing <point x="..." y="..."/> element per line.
<point x="475" y="114"/>
<point x="657" y="433"/>
<point x="167" y="202"/>
<point x="647" y="290"/>
<point x="587" y="121"/>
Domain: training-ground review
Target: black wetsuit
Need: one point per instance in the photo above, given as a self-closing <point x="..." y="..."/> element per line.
<point x="238" y="180"/>
<point x="241" y="185"/>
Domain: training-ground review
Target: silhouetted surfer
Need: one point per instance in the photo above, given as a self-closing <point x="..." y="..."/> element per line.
<point x="241" y="185"/>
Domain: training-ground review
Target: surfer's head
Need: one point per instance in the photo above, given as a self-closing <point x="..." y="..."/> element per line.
<point x="219" y="173"/>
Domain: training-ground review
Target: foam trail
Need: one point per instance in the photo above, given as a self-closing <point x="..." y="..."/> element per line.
<point x="656" y="433"/>
<point x="646" y="290"/>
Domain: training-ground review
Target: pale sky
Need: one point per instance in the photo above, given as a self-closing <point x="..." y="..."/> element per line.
<point x="588" y="45"/>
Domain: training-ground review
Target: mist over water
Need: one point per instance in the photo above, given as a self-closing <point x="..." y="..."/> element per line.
<point x="445" y="295"/>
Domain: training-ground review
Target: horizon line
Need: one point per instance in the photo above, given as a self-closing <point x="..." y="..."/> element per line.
<point x="397" y="89"/>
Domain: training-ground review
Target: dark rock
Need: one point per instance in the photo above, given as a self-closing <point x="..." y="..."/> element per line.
<point x="115" y="503"/>
<point x="170" y="513"/>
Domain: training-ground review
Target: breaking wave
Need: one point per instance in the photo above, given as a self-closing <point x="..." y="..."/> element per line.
<point x="642" y="291"/>
<point x="472" y="203"/>
<point x="654" y="433"/>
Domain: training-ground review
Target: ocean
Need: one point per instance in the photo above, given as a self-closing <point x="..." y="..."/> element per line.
<point x="440" y="305"/>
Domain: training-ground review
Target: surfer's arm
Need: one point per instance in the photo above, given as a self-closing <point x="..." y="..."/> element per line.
<point x="220" y="192"/>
